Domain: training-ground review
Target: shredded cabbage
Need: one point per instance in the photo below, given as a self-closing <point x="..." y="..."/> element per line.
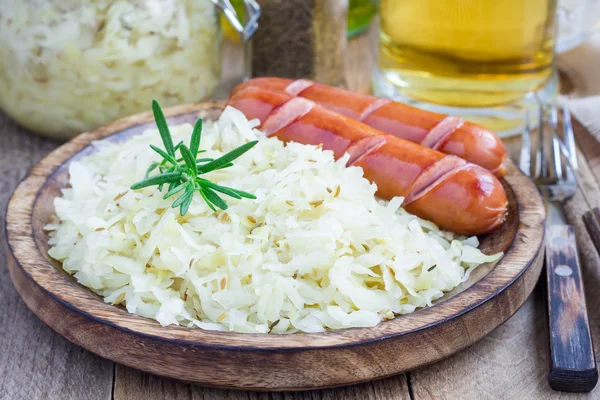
<point x="315" y="251"/>
<point x="67" y="66"/>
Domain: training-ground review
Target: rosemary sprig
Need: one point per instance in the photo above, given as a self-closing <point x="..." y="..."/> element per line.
<point x="182" y="174"/>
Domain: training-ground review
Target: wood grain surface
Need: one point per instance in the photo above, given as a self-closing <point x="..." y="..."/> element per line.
<point x="572" y="359"/>
<point x="132" y="384"/>
<point x="510" y="363"/>
<point x="36" y="363"/>
<point x="592" y="223"/>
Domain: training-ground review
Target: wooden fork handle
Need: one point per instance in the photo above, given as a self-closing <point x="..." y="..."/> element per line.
<point x="572" y="360"/>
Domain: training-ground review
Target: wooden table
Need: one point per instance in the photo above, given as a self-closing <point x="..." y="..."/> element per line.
<point x="510" y="363"/>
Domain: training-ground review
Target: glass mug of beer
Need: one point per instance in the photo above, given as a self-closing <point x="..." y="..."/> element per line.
<point x="473" y="54"/>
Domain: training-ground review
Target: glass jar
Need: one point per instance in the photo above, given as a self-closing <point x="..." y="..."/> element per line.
<point x="67" y="66"/>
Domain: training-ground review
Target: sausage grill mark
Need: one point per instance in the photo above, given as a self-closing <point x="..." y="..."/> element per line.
<point x="298" y="86"/>
<point x="363" y="147"/>
<point x="435" y="137"/>
<point x="433" y="176"/>
<point x="374" y="106"/>
<point x="287" y="113"/>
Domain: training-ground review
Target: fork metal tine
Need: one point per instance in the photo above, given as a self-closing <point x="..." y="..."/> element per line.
<point x="549" y="154"/>
<point x="525" y="156"/>
<point x="567" y="155"/>
<point x="556" y="159"/>
<point x="569" y="138"/>
<point x="540" y="167"/>
<point x="542" y="155"/>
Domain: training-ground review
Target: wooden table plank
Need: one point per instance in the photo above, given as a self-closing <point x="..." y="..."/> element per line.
<point x="131" y="384"/>
<point x="35" y="362"/>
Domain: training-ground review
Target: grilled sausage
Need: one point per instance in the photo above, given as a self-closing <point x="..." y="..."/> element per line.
<point x="449" y="135"/>
<point x="456" y="195"/>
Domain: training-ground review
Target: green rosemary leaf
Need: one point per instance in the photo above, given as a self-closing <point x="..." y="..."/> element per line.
<point x="165" y="156"/>
<point x="245" y="194"/>
<point x="160" y="185"/>
<point x="225" y="166"/>
<point x="214" y="198"/>
<point x="218" y="188"/>
<point x="157" y="180"/>
<point x="151" y="168"/>
<point x="195" y="140"/>
<point x="189" y="159"/>
<point x="175" y="189"/>
<point x="189" y="192"/>
<point x="235" y="193"/>
<point x="212" y="207"/>
<point x="163" y="128"/>
<point x="182" y="173"/>
<point x="180" y="159"/>
<point x="227" y="158"/>
<point x="186" y="205"/>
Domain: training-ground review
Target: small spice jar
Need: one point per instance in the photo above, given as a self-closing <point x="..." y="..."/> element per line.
<point x="300" y="39"/>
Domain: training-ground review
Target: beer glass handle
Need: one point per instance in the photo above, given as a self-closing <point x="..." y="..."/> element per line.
<point x="577" y="20"/>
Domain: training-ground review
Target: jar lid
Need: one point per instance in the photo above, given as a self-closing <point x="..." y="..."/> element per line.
<point x="252" y="15"/>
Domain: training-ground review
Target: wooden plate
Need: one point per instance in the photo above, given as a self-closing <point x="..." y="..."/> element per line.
<point x="254" y="361"/>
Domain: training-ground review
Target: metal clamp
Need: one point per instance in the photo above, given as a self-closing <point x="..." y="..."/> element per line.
<point x="252" y="15"/>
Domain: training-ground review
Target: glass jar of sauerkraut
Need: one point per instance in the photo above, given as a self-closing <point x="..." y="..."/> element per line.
<point x="67" y="66"/>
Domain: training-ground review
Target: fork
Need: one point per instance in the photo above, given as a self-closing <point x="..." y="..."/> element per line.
<point x="553" y="169"/>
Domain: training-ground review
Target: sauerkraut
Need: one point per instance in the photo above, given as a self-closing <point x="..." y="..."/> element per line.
<point x="315" y="251"/>
<point x="67" y="66"/>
